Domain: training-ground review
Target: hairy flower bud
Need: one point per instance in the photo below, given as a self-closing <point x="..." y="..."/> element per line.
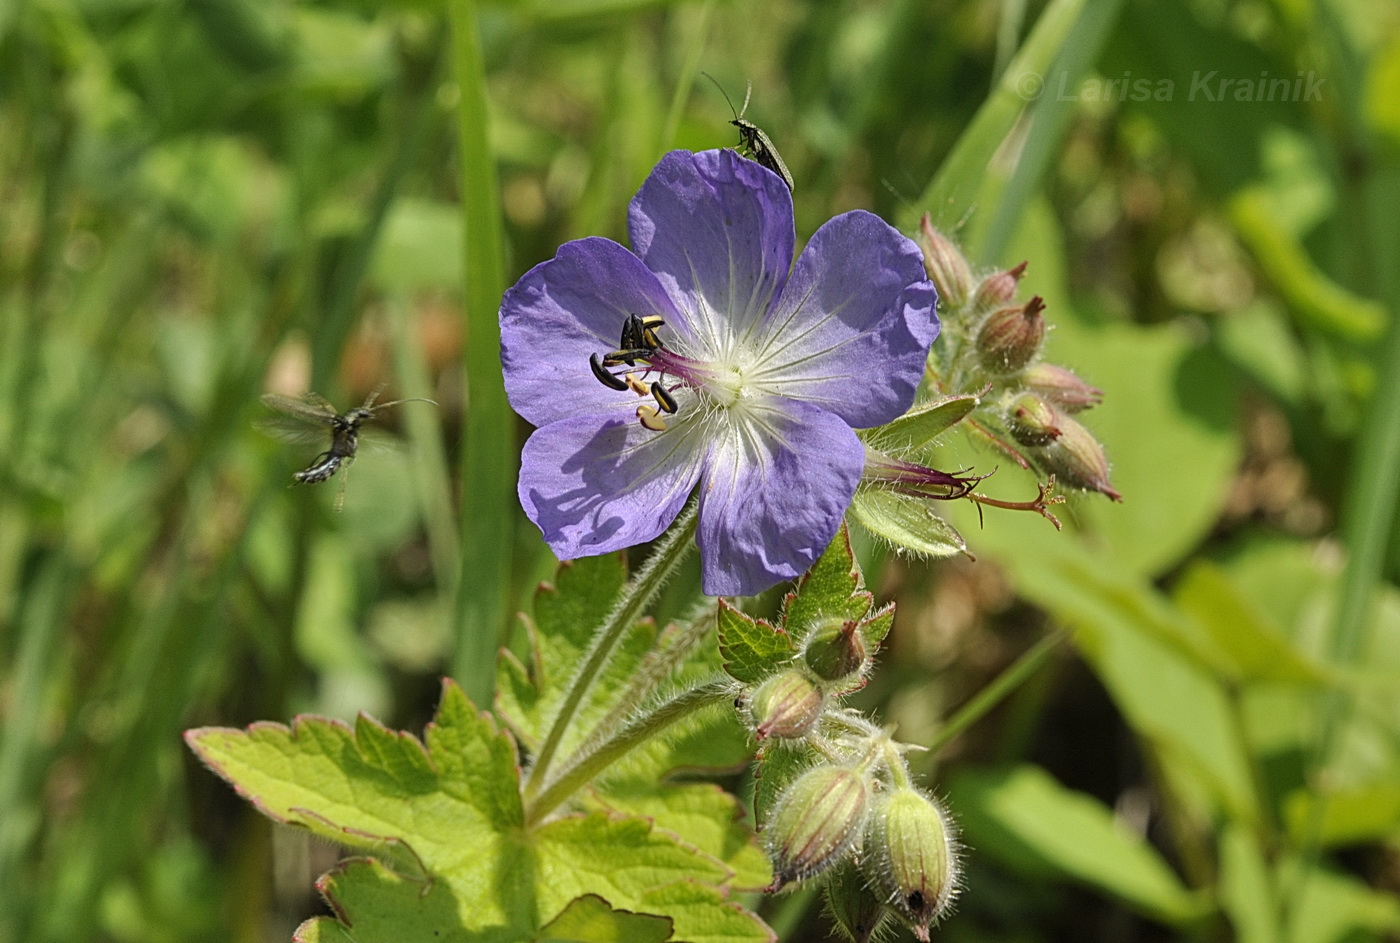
<point x="947" y="268"/>
<point x="1011" y="337"/>
<point x="853" y="906"/>
<point x="911" y="857"/>
<point x="998" y="290"/>
<point x="1032" y="421"/>
<point x="1061" y="387"/>
<point x="786" y="706"/>
<point x="835" y="650"/>
<point x="816" y="822"/>
<point x="1076" y="459"/>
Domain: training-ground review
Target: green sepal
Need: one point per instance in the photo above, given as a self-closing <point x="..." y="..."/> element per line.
<point x="775" y="767"/>
<point x="752" y="648"/>
<point x="906" y="522"/>
<point x="922" y="424"/>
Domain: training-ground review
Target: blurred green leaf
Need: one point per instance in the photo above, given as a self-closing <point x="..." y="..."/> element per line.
<point x="1256" y="650"/>
<point x="1320" y="302"/>
<point x="1033" y="824"/>
<point x="1154" y="669"/>
<point x="420" y="248"/>
<point x="1247" y="894"/>
<point x="1348" y="816"/>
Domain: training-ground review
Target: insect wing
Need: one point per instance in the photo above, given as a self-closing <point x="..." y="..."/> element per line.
<point x="300" y="419"/>
<point x="761" y="149"/>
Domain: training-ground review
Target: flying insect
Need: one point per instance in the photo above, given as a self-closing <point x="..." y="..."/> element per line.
<point x="754" y="143"/>
<point x="307" y="418"/>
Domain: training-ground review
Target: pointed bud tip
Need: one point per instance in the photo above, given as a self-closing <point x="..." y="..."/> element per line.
<point x="945" y="264"/>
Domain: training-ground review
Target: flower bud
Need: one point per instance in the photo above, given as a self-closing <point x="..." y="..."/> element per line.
<point x="786" y="706"/>
<point x="1076" y="459"/>
<point x="1061" y="387"/>
<point x="1011" y="337"/>
<point x="1032" y="421"/>
<point x="835" y="650"/>
<point x="911" y="857"/>
<point x="945" y="265"/>
<point x="816" y="822"/>
<point x="857" y="912"/>
<point x="997" y="291"/>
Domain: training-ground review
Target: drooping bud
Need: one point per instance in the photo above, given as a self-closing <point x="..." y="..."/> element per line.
<point x="853" y="906"/>
<point x="1011" y="337"/>
<point x="1032" y="421"/>
<point x="1076" y="459"/>
<point x="835" y="650"/>
<point x="911" y="857"/>
<point x="786" y="706"/>
<point x="816" y="822"/>
<point x="1061" y="387"/>
<point x="998" y="290"/>
<point x="945" y="265"/>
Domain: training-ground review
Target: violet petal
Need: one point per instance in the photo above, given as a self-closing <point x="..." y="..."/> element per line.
<point x="718" y="232"/>
<point x="560" y="312"/>
<point x="852" y="329"/>
<point x="595" y="484"/>
<point x="772" y="496"/>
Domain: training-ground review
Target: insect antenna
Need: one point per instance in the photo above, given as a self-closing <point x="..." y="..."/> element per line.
<point x="409" y="399"/>
<point x="737" y="115"/>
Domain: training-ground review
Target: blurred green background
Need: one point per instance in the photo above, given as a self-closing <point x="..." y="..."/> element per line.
<point x="202" y="200"/>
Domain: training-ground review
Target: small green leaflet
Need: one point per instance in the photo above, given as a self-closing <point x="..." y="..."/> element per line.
<point x="751" y="647"/>
<point x="833" y="588"/>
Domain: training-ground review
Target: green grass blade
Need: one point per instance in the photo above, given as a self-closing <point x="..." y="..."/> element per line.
<point x="488" y="462"/>
<point x="1056" y="43"/>
<point x="430" y="456"/>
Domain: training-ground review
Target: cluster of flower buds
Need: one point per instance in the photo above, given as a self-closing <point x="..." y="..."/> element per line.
<point x="834" y="660"/>
<point x="883" y="848"/>
<point x="991" y="345"/>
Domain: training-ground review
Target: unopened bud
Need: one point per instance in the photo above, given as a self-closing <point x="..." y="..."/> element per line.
<point x="853" y="906"/>
<point x="1076" y="459"/>
<point x="911" y="857"/>
<point x="997" y="291"/>
<point x="1011" y="337"/>
<point x="835" y="650"/>
<point x="1032" y="421"/>
<point x="1061" y="387"/>
<point x="946" y="266"/>
<point x="816" y="822"/>
<point x="786" y="706"/>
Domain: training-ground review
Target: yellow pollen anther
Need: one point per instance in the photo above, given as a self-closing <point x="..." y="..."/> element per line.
<point x="636" y="386"/>
<point x="650" y="420"/>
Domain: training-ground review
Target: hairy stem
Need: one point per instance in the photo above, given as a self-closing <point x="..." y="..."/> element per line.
<point x="655" y="668"/>
<point x="633" y="735"/>
<point x="638" y="592"/>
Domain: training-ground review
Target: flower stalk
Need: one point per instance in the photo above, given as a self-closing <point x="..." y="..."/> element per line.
<point x="638" y="592"/>
<point x="587" y="765"/>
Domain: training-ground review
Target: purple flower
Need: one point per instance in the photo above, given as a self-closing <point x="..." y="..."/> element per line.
<point x="769" y="366"/>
